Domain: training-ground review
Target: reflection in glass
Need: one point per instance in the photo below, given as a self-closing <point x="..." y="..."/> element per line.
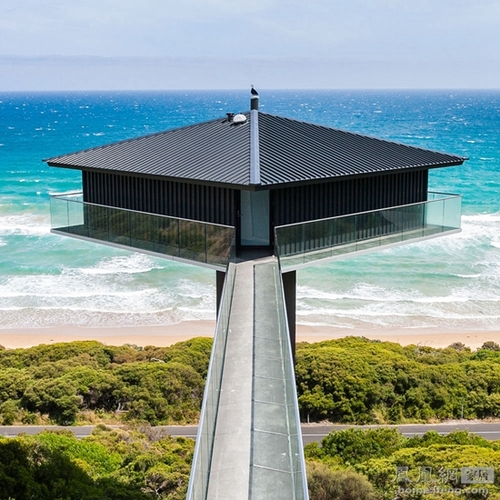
<point x="197" y="241"/>
<point x="298" y="244"/>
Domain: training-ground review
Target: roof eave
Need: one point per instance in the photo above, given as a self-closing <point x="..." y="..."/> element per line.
<point x="260" y="186"/>
<point x="184" y="180"/>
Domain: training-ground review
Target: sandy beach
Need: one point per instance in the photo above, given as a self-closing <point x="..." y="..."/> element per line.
<point x="170" y="334"/>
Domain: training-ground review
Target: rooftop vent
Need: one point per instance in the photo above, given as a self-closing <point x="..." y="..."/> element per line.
<point x="254" y="99"/>
<point x="239" y="118"/>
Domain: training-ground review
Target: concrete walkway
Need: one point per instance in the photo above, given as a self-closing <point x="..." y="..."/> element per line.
<point x="230" y="472"/>
<point x="257" y="446"/>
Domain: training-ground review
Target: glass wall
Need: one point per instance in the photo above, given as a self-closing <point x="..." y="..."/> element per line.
<point x="302" y="243"/>
<point x="255" y="218"/>
<point x="195" y="241"/>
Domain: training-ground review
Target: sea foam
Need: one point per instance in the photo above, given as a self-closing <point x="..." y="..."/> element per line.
<point x="48" y="280"/>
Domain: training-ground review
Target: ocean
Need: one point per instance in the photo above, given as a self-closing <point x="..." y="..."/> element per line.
<point x="47" y="280"/>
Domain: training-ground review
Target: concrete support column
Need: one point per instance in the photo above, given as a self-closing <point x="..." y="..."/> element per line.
<point x="289" y="287"/>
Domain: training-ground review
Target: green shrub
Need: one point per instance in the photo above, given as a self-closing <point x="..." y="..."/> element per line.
<point x="355" y="380"/>
<point x="354" y="446"/>
<point x="326" y="484"/>
<point x="109" y="464"/>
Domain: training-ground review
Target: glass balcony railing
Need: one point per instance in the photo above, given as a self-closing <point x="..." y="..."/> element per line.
<point x="301" y="244"/>
<point x="199" y="242"/>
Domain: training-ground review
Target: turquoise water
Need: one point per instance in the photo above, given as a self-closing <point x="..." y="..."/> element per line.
<point x="45" y="280"/>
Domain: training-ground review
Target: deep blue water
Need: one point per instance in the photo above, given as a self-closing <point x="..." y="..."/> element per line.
<point x="45" y="280"/>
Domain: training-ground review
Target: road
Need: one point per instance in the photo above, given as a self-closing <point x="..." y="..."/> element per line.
<point x="310" y="432"/>
<point x="488" y="430"/>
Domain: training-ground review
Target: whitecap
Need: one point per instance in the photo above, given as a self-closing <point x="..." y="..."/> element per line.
<point x="128" y="264"/>
<point x="361" y="292"/>
<point x="440" y="300"/>
<point x="488" y="218"/>
<point x="24" y="225"/>
<point x="305" y="292"/>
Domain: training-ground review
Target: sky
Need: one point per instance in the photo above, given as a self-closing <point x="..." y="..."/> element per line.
<point x="228" y="44"/>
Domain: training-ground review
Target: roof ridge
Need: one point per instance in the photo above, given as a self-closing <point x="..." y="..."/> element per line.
<point x="254" y="147"/>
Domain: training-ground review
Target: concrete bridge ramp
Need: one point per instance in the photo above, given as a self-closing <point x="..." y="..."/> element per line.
<point x="249" y="444"/>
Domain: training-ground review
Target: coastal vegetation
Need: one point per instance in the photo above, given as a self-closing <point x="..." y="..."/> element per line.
<point x="114" y="464"/>
<point x="359" y="381"/>
<point x="88" y="382"/>
<point x="382" y="464"/>
<point x="351" y="380"/>
<point x="141" y="463"/>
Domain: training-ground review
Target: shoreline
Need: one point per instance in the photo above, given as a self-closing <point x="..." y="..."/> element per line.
<point x="165" y="335"/>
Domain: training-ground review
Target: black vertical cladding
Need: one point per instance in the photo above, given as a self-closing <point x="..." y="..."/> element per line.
<point x="288" y="205"/>
<point x="177" y="199"/>
<point x="330" y="199"/>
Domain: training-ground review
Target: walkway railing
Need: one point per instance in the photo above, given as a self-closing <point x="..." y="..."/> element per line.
<point x="182" y="239"/>
<point x="202" y="459"/>
<point x="301" y="244"/>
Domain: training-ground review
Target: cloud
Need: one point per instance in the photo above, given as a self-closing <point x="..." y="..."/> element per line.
<point x="162" y="44"/>
<point x="169" y="73"/>
<point x="365" y="30"/>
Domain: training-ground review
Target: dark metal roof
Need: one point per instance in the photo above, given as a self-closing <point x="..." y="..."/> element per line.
<point x="290" y="151"/>
<point x="213" y="151"/>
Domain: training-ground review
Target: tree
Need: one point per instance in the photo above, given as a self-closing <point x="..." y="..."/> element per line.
<point x="491" y="346"/>
<point x="111" y="464"/>
<point x="354" y="446"/>
<point x="57" y="398"/>
<point x="326" y="484"/>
